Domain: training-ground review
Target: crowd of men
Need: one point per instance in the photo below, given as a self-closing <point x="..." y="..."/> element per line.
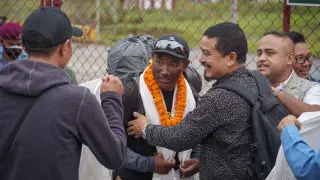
<point x="156" y="127"/>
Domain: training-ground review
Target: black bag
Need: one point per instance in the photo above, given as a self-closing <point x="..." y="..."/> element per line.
<point x="267" y="112"/>
<point x="130" y="56"/>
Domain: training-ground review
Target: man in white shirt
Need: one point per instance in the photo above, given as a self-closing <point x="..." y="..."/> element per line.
<point x="276" y="56"/>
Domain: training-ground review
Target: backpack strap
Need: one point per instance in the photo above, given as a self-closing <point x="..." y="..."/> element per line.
<point x="239" y="89"/>
<point x="250" y="97"/>
<point x="262" y="84"/>
<point x="16" y="129"/>
<point x="230" y="164"/>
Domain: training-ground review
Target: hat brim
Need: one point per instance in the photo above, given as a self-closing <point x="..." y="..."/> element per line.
<point x="171" y="53"/>
<point x="77" y="32"/>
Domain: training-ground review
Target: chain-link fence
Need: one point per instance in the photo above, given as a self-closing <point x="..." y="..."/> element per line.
<point x="106" y="21"/>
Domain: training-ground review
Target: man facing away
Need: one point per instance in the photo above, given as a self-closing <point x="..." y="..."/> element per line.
<point x="59" y="116"/>
<point x="221" y="116"/>
<point x="303" y="57"/>
<point x="276" y="57"/>
<point x="167" y="100"/>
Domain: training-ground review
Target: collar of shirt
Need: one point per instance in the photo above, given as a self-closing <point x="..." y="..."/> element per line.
<point x="282" y="85"/>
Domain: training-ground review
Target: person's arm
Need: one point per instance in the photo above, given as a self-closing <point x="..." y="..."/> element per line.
<point x="303" y="161"/>
<point x="101" y="129"/>
<point x="195" y="126"/>
<point x="297" y="107"/>
<point x="138" y="162"/>
<point x="196" y="152"/>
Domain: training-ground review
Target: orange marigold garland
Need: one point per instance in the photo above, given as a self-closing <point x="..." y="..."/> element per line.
<point x="158" y="99"/>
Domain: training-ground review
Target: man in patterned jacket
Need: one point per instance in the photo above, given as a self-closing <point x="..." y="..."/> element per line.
<point x="276" y="57"/>
<point x="221" y="117"/>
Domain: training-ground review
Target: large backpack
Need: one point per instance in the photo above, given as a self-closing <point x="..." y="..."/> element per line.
<point x="267" y="112"/>
<point x="130" y="56"/>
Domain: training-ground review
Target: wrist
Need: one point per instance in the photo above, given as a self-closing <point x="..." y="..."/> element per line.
<point x="144" y="133"/>
<point x="277" y="91"/>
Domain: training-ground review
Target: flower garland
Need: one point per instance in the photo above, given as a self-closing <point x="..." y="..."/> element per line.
<point x="158" y="99"/>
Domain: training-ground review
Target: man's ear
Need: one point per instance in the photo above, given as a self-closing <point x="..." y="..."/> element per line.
<point x="291" y="59"/>
<point x="232" y="59"/>
<point x="63" y="48"/>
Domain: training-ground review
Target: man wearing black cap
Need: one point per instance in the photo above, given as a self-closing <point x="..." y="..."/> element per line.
<point x="44" y="118"/>
<point x="162" y="94"/>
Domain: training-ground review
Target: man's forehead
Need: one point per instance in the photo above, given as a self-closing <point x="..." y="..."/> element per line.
<point x="10" y="41"/>
<point x="302" y="48"/>
<point x="208" y="44"/>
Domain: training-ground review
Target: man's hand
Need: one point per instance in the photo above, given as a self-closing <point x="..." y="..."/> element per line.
<point x="189" y="168"/>
<point x="289" y="120"/>
<point x="136" y="126"/>
<point x="111" y="83"/>
<point x="162" y="166"/>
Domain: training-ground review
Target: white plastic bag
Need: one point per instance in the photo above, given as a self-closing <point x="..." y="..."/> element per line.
<point x="310" y="124"/>
<point x="90" y="168"/>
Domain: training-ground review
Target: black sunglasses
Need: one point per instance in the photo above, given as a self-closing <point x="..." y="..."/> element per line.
<point x="171" y="46"/>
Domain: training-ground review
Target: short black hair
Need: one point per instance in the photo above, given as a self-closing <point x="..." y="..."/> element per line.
<point x="297" y="37"/>
<point x="41" y="53"/>
<point x="279" y="34"/>
<point x="230" y="38"/>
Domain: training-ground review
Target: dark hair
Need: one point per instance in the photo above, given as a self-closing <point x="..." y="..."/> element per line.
<point x="296" y="37"/>
<point x="279" y="34"/>
<point x="47" y="52"/>
<point x="230" y="38"/>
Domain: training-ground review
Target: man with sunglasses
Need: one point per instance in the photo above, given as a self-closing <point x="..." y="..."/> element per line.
<point x="10" y="43"/>
<point x="303" y="57"/>
<point x="275" y="61"/>
<point x="163" y="94"/>
<point x="222" y="118"/>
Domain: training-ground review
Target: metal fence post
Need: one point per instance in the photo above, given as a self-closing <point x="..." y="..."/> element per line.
<point x="286" y="16"/>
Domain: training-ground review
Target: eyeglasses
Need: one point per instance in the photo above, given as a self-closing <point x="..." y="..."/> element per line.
<point x="300" y="59"/>
<point x="171" y="46"/>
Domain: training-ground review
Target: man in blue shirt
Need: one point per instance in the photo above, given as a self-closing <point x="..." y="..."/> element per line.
<point x="302" y="159"/>
<point x="10" y="43"/>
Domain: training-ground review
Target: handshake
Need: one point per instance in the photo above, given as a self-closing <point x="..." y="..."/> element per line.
<point x="111" y="83"/>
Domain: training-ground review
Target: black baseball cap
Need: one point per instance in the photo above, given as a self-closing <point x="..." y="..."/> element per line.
<point x="173" y="45"/>
<point x="47" y="27"/>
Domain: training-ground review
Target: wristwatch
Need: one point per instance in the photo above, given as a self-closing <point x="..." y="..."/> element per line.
<point x="277" y="90"/>
<point x="144" y="134"/>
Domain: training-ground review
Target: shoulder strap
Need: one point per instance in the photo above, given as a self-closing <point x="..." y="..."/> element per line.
<point x="239" y="89"/>
<point x="262" y="84"/>
<point x="16" y="128"/>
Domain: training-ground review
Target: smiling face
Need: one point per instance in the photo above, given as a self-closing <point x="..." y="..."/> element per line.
<point x="214" y="63"/>
<point x="302" y="53"/>
<point x="275" y="57"/>
<point x="167" y="69"/>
